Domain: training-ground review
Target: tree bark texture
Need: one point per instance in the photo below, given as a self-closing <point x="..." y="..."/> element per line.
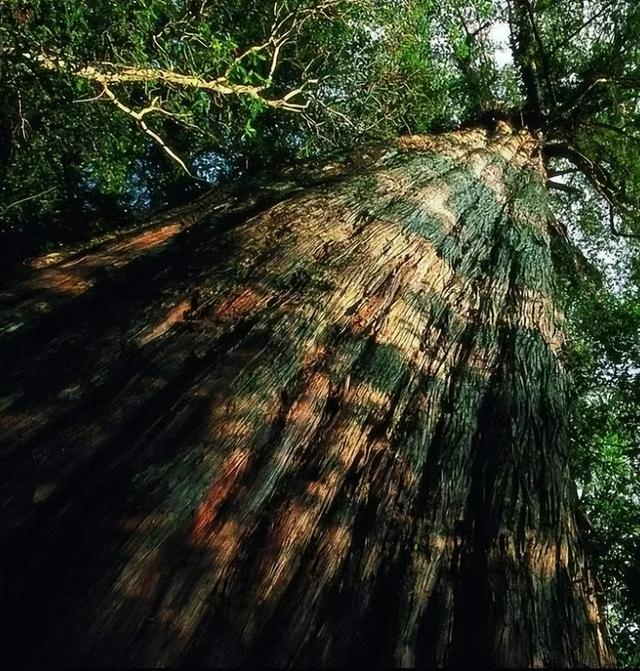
<point x="322" y="429"/>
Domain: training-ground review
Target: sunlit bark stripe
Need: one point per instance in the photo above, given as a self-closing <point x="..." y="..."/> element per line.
<point x="331" y="434"/>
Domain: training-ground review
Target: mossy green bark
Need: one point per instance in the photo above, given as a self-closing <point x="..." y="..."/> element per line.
<point x="333" y="433"/>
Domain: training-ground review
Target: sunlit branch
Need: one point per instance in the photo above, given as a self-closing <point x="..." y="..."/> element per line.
<point x="139" y="118"/>
<point x="110" y="76"/>
<point x="113" y="74"/>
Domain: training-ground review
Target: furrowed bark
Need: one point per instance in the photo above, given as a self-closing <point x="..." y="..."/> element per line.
<point x="331" y="434"/>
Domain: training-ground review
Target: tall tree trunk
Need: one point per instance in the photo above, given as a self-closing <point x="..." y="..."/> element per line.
<point x="333" y="433"/>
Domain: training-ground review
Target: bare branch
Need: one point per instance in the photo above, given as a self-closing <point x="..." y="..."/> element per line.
<point x="90" y="100"/>
<point x="599" y="179"/>
<point x="109" y="76"/>
<point x="565" y="188"/>
<point x="28" y="198"/>
<point x="586" y="24"/>
<point x="139" y="118"/>
<point x="24" y="124"/>
<point x="576" y="103"/>
<point x="559" y="173"/>
<point x="114" y="74"/>
<point x="612" y="225"/>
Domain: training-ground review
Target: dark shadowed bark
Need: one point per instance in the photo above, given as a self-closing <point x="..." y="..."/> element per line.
<point x="319" y="431"/>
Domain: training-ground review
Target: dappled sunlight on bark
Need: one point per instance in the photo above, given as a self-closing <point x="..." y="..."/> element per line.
<point x="332" y="433"/>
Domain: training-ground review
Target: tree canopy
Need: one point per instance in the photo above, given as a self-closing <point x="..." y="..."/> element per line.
<point x="115" y="109"/>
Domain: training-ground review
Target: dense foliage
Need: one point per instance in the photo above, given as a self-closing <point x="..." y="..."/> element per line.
<point x="115" y="108"/>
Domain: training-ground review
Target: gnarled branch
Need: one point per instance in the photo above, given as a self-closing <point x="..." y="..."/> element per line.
<point x="112" y="74"/>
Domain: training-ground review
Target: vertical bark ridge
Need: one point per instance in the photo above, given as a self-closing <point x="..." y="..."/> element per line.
<point x="335" y="436"/>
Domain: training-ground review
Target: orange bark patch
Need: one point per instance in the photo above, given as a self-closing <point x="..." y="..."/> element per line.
<point x="239" y="305"/>
<point x="206" y="513"/>
<point x="305" y="409"/>
<point x="175" y="315"/>
<point x="77" y="275"/>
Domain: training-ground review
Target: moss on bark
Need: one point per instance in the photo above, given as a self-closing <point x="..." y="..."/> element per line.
<point x="333" y="433"/>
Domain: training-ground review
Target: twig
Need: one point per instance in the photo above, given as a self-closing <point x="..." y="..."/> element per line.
<point x="139" y="117"/>
<point x="566" y="188"/>
<point x="598" y="177"/>
<point x="612" y="225"/>
<point x="24" y="200"/>
<point x="23" y="122"/>
<point x="89" y="100"/>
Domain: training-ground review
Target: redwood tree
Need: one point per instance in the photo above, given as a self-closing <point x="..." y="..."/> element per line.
<point x="334" y="433"/>
<point x="319" y="416"/>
